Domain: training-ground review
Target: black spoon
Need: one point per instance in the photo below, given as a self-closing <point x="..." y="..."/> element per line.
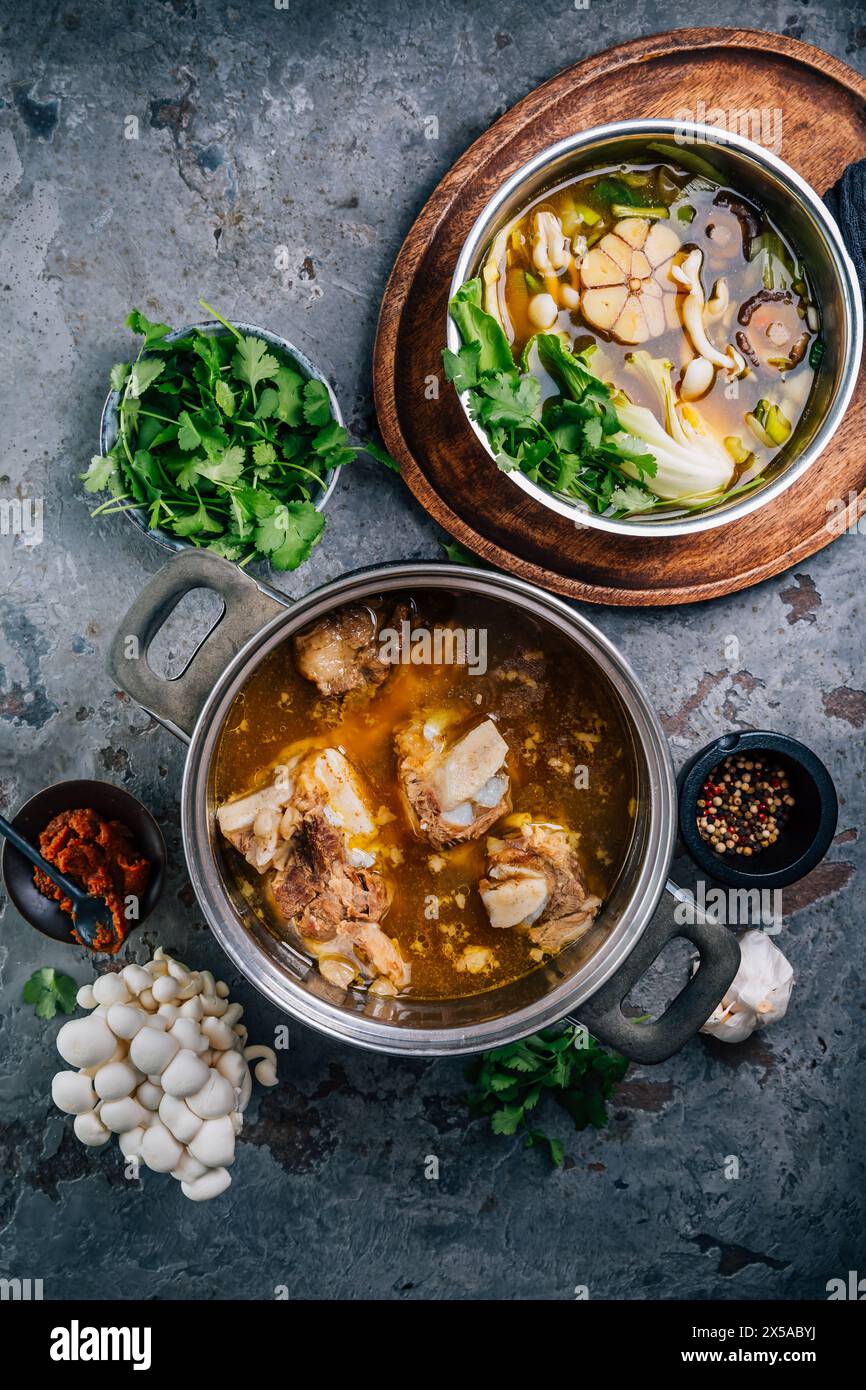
<point x="87" y="911"/>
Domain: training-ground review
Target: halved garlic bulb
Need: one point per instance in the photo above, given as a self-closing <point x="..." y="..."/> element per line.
<point x="626" y="279"/>
<point x="759" y="993"/>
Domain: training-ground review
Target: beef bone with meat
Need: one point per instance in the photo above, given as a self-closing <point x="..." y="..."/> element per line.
<point x="312" y="830"/>
<point x="453" y="775"/>
<point x="535" y="883"/>
<point x="343" y="651"/>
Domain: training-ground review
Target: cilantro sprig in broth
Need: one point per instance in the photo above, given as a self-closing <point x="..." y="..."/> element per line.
<point x="573" y="443"/>
<point x="221" y="442"/>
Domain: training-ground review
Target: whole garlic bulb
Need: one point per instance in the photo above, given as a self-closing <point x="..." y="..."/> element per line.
<point x="171" y="1082"/>
<point x="758" y="994"/>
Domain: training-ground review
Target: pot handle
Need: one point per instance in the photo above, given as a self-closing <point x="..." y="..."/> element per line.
<point x="249" y="605"/>
<point x="602" y="1014"/>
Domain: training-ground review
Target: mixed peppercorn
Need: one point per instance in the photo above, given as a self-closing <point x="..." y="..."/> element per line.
<point x="744" y="805"/>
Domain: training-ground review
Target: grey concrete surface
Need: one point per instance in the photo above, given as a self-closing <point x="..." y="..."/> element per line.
<point x="261" y="128"/>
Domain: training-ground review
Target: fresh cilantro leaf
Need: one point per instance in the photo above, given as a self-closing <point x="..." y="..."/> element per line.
<point x="143" y="374"/>
<point x="118" y="374"/>
<point x="580" y="1075"/>
<point x="317" y="403"/>
<point x="47" y="990"/>
<point x="188" y="473"/>
<point x="290" y="392"/>
<point x="199" y="520"/>
<point x="188" y="437"/>
<point x="226" y="470"/>
<point x="381" y="455"/>
<point x="145" y="469"/>
<point x="630" y="498"/>
<point x="456" y="554"/>
<point x="289" y="534"/>
<point x="152" y="332"/>
<point x="506" y="398"/>
<point x="461" y="368"/>
<point x="592" y="433"/>
<point x="256" y="501"/>
<point x="507" y="1119"/>
<point x="214" y="438"/>
<point x="269" y="404"/>
<point x="229" y="547"/>
<point x="333" y="436"/>
<point x="100" y="474"/>
<point x="167" y="435"/>
<point x="264" y="453"/>
<point x="225" y="397"/>
<point x="253" y="363"/>
<point x="207" y="346"/>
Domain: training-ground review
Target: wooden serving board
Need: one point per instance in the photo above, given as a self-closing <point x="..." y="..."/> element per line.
<point x="823" y="105"/>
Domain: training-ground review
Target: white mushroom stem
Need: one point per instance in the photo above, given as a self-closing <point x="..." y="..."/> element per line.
<point x="689" y="274"/>
<point x="550" y="249"/>
<point x="719" y="300"/>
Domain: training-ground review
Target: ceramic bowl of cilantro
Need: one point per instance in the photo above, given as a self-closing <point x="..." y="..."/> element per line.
<point x="221" y="436"/>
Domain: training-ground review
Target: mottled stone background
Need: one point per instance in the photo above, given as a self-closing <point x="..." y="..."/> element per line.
<point x="260" y="127"/>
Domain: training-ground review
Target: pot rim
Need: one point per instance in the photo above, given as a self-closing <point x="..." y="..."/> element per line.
<point x="262" y="969"/>
<point x="852" y="317"/>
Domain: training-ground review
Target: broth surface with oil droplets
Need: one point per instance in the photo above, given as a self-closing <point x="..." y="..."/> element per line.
<point x="556" y="714"/>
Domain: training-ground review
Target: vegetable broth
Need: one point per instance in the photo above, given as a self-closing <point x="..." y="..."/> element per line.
<point x="740" y="245"/>
<point x="555" y="713"/>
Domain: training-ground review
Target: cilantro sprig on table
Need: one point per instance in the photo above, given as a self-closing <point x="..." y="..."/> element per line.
<point x="221" y="442"/>
<point x="47" y="990"/>
<point x="574" y="442"/>
<point x="508" y="1083"/>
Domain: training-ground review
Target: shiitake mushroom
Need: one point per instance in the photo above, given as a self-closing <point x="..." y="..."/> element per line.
<point x="772" y="333"/>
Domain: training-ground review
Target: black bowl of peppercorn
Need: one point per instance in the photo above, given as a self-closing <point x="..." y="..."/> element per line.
<point x="756" y="809"/>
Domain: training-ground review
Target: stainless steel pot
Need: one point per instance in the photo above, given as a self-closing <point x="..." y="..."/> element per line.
<point x="796" y="208"/>
<point x="583" y="984"/>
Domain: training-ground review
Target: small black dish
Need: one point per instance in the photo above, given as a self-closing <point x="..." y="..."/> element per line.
<point x="806" y="837"/>
<point x="109" y="801"/>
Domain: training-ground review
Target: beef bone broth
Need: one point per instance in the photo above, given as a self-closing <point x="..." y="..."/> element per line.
<point x="362" y="801"/>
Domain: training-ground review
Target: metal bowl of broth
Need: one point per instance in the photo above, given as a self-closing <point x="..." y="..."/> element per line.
<point x="587" y="981"/>
<point x="765" y="181"/>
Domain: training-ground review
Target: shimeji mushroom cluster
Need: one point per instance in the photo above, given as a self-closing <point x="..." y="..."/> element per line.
<point x="163" y="1063"/>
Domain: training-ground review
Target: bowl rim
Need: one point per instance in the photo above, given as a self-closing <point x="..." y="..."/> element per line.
<point x="852" y="317"/>
<point x="691" y="777"/>
<point x="137" y="515"/>
<point x="76" y="790"/>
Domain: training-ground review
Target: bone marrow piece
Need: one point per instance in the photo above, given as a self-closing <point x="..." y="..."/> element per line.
<point x="312" y="832"/>
<point x="535" y="883"/>
<point x="453" y="774"/>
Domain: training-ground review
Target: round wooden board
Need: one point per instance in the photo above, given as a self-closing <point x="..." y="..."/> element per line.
<point x="823" y="106"/>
